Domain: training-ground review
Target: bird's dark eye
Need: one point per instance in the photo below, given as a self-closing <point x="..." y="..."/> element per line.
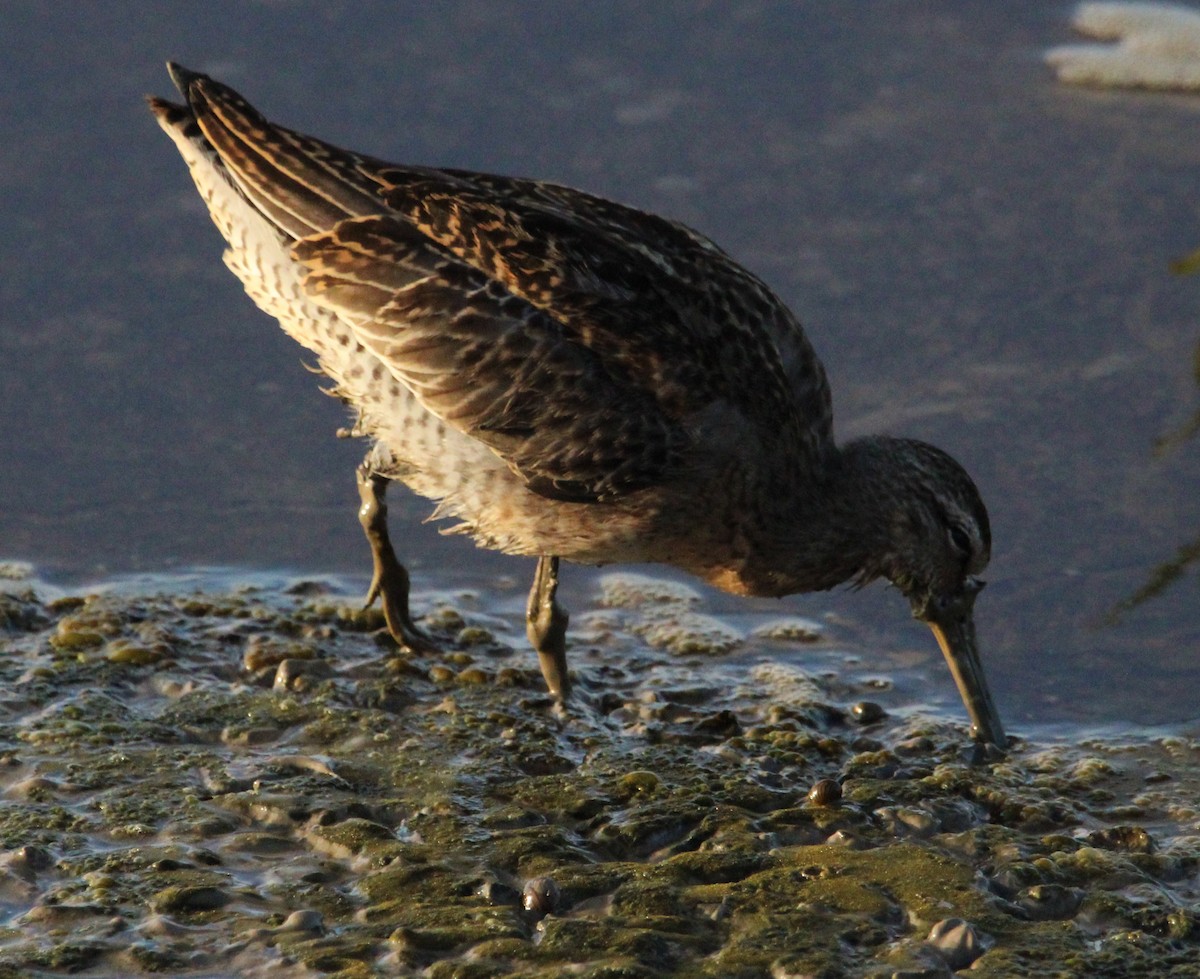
<point x="960" y="540"/>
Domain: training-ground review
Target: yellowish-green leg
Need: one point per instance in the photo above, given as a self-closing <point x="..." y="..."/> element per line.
<point x="389" y="582"/>
<point x="546" y="626"/>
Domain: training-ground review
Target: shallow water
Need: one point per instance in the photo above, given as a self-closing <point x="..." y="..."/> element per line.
<point x="255" y="783"/>
<point x="980" y="255"/>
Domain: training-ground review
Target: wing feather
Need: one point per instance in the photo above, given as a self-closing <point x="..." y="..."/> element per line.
<point x="636" y="288"/>
<point x="492" y="364"/>
<point x="578" y="338"/>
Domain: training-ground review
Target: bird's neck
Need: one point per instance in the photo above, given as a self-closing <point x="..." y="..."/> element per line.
<point x="819" y="529"/>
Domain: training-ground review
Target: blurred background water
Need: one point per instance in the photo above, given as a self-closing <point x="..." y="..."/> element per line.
<point x="980" y="255"/>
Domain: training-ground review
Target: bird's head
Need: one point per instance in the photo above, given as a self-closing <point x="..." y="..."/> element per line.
<point x="937" y="539"/>
<point x="938" y="534"/>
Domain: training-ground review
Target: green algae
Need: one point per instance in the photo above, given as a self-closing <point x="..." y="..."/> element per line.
<point x="259" y="772"/>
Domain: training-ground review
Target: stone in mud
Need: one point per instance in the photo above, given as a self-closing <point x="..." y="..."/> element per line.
<point x="541" y="895"/>
<point x="867" y="712"/>
<point x="629" y="590"/>
<point x="956" y="941"/>
<point x="300" y="675"/>
<point x="825" y="792"/>
<point x="1126" y="839"/>
<point x="473" y="676"/>
<point x="498" y="893"/>
<point x="638" y="783"/>
<point x="306" y="920"/>
<point x="189" y="898"/>
<point x="441" y="674"/>
<point x="1050" y="902"/>
<point x="132" y="653"/>
<point x="685" y="633"/>
<point x="905" y="821"/>
<point x="348" y="838"/>
<point x="264" y="651"/>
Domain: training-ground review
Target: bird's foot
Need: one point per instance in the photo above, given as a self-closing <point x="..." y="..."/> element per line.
<point x="390" y="585"/>
<point x="389" y="582"/>
<point x="546" y="625"/>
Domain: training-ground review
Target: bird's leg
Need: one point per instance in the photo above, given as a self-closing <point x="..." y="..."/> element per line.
<point x="546" y="626"/>
<point x="389" y="582"/>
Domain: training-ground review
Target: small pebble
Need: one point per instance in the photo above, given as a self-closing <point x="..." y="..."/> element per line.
<point x="1126" y="839"/>
<point x="188" y="898"/>
<point x="30" y="857"/>
<point x="1050" y="902"/>
<point x="308" y="588"/>
<point x="299" y="674"/>
<point x="498" y="894"/>
<point x="35" y="788"/>
<point x="638" y="783"/>
<point x="262" y="652"/>
<point x="956" y="941"/>
<point x="64" y="916"/>
<point x="135" y="654"/>
<point x="867" y="712"/>
<point x="791" y="630"/>
<point x="306" y="920"/>
<point x="920" y="745"/>
<point x="474" y="636"/>
<point x="71" y="634"/>
<point x="444" y="620"/>
<point x="901" y="820"/>
<point x="723" y="723"/>
<point x="168" y="864"/>
<point x="249" y="736"/>
<point x="825" y="792"/>
<point x="541" y="895"/>
<point x="160" y="926"/>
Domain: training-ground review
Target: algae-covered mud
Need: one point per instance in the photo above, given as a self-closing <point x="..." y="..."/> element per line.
<point x="259" y="783"/>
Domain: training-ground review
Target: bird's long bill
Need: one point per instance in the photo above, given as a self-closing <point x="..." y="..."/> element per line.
<point x="954" y="627"/>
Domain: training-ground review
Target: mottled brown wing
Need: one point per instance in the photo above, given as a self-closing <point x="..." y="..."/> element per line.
<point x="754" y="328"/>
<point x="478" y="356"/>
<point x="659" y="299"/>
<point x="491" y="364"/>
<point x="562" y="315"/>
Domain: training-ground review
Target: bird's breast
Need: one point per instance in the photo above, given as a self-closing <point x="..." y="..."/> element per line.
<point x="750" y="582"/>
<point x="732" y="580"/>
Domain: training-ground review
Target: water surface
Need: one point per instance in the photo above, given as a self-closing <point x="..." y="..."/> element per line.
<point x="980" y="255"/>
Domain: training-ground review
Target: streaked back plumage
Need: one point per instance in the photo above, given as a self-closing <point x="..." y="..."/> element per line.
<point x="515" y="336"/>
<point x="574" y="378"/>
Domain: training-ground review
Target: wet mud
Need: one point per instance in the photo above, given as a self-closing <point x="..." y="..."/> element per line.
<point x="261" y="783"/>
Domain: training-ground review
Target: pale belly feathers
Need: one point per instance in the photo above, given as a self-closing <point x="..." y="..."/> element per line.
<point x="470" y="482"/>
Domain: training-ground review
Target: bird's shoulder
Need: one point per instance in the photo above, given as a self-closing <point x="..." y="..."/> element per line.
<point x="641" y="290"/>
<point x="579" y="337"/>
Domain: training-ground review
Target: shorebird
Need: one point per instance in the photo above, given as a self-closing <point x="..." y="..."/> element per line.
<point x="575" y="379"/>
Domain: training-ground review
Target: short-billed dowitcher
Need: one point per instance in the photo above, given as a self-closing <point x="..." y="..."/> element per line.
<point x="573" y="378"/>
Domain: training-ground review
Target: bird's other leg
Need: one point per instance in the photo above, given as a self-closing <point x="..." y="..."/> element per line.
<point x="389" y="582"/>
<point x="546" y="626"/>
